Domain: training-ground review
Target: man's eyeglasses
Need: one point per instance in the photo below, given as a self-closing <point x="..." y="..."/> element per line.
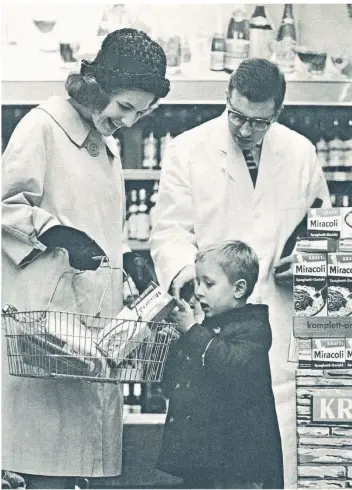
<point x="256" y="124"/>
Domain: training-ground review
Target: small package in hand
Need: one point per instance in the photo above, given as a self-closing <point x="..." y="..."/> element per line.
<point x="132" y="328"/>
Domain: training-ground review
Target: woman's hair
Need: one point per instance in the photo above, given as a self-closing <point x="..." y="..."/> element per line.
<point x="237" y="259"/>
<point x="128" y="59"/>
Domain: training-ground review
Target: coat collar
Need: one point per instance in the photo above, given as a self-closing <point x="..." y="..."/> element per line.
<point x="256" y="312"/>
<point x="76" y="128"/>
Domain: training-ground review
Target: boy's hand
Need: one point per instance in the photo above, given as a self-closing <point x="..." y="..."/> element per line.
<point x="182" y="315"/>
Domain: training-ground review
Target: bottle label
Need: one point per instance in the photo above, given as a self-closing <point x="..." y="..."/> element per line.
<point x="260" y="43"/>
<point x="217" y="60"/>
<point x="236" y="51"/>
<point x="285" y="54"/>
<point x="259" y="22"/>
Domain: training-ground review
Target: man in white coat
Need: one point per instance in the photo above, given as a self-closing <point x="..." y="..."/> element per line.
<point x="243" y="176"/>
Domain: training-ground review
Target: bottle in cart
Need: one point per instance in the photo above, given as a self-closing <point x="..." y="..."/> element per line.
<point x="218" y="49"/>
<point x="261" y="34"/>
<point x="132" y="216"/>
<point x="237" y="39"/>
<point x="286" y="41"/>
<point x="152" y="201"/>
<point x="143" y="220"/>
<point x="150" y="152"/>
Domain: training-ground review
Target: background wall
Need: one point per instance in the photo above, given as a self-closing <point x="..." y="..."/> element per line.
<point x="322" y="26"/>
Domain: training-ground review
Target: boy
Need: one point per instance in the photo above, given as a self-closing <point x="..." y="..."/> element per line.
<point x="221" y="429"/>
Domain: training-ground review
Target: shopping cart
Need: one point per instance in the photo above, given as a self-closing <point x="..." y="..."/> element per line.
<point x="65" y="345"/>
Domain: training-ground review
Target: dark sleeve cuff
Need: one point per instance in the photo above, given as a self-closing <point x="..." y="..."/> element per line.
<point x="195" y="341"/>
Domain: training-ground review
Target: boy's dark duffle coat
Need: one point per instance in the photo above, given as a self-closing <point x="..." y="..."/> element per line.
<point x="222" y="418"/>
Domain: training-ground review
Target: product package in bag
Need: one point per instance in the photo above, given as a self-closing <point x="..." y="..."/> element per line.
<point x="133" y="330"/>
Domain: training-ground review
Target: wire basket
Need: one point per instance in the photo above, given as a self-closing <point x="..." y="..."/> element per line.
<point x="61" y="345"/>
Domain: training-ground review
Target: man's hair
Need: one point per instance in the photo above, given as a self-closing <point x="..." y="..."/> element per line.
<point x="259" y="80"/>
<point x="237" y="259"/>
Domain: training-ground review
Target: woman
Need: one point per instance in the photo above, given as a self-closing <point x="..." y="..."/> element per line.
<point x="63" y="205"/>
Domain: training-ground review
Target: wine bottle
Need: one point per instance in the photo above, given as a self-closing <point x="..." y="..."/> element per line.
<point x="336" y="146"/>
<point x="286" y="41"/>
<point x="150" y="152"/>
<point x="237" y="39"/>
<point x="143" y="221"/>
<point x="261" y="34"/>
<point x="132" y="220"/>
<point x="152" y="200"/>
<point x="218" y="49"/>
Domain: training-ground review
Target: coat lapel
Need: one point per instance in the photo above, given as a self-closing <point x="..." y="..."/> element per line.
<point x="234" y="164"/>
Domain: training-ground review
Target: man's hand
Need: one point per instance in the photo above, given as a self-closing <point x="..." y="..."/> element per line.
<point x="283" y="271"/>
<point x="186" y="275"/>
<point x="182" y="316"/>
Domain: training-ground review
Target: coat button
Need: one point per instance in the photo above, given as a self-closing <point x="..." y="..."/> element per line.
<point x="171" y="419"/>
<point x="188" y="417"/>
<point x="177" y="386"/>
<point x="188" y="358"/>
<point x="188" y="385"/>
<point x="93" y="148"/>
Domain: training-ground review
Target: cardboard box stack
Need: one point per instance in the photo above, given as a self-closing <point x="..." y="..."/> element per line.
<point x="322" y="317"/>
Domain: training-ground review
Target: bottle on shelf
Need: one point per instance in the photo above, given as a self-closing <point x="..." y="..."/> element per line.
<point x="142" y="220"/>
<point x="336" y="146"/>
<point x="132" y="216"/>
<point x="150" y="152"/>
<point x="348" y="143"/>
<point x="286" y="41"/>
<point x="164" y="141"/>
<point x="237" y="39"/>
<point x="322" y="147"/>
<point x="152" y="201"/>
<point x="345" y="201"/>
<point x="171" y="43"/>
<point x="218" y="49"/>
<point x="261" y="34"/>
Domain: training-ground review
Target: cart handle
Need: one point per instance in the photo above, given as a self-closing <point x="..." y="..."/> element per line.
<point x="104" y="263"/>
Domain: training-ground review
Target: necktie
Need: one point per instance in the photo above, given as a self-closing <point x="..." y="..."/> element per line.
<point x="252" y="166"/>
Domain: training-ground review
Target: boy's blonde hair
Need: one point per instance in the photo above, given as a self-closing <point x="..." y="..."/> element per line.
<point x="237" y="259"/>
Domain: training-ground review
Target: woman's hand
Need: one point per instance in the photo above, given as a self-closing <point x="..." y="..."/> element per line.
<point x="182" y="316"/>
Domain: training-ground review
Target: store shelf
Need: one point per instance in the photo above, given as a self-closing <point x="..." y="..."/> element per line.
<point x="141" y="174"/>
<point x="42" y="75"/>
<point x="322" y="326"/>
<point x="202" y="91"/>
<point x="137" y="245"/>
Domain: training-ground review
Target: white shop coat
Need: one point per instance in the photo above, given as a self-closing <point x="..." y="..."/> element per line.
<point x="206" y="195"/>
<point x="59" y="428"/>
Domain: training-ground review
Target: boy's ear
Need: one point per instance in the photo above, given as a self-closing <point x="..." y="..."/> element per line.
<point x="240" y="288"/>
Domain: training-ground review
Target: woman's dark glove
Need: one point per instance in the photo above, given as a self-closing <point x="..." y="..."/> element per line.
<point x="80" y="247"/>
<point x="137" y="268"/>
